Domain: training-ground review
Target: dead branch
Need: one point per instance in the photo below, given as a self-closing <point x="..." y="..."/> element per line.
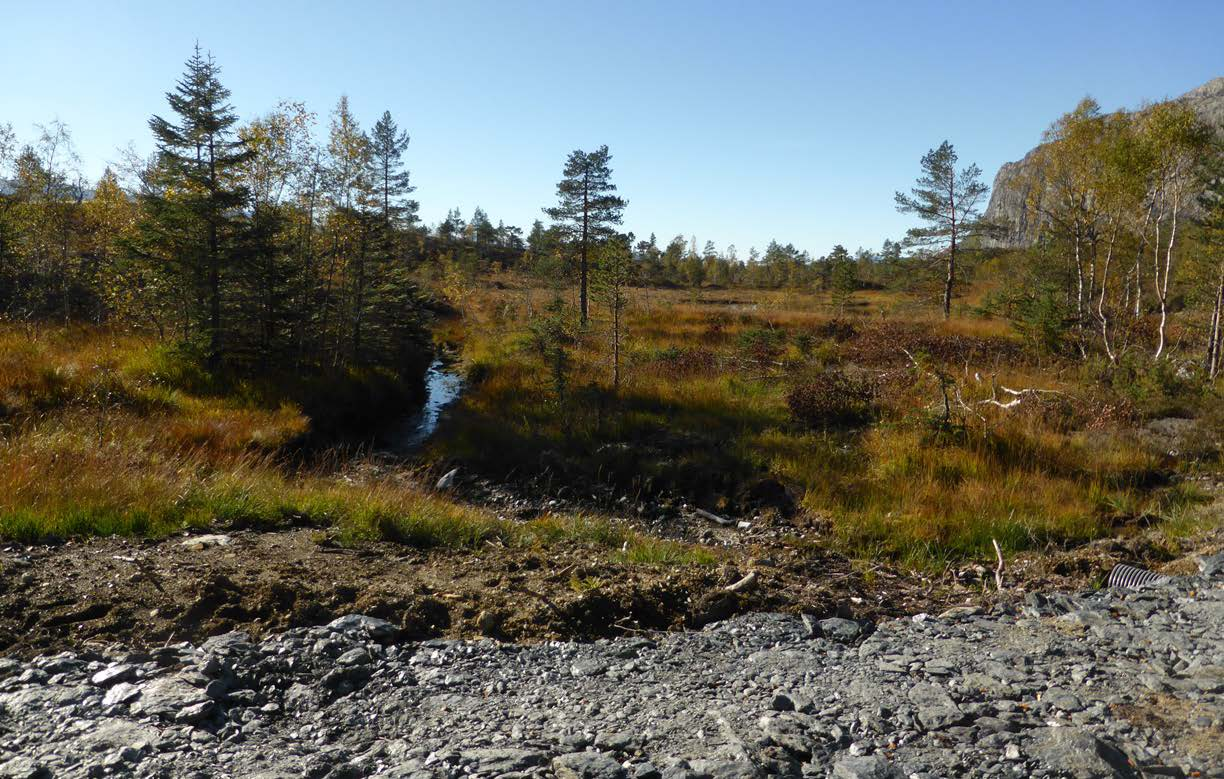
<point x="712" y="517"/>
<point x="945" y="381"/>
<point x="1017" y="395"/>
<point x="999" y="568"/>
<point x="744" y="584"/>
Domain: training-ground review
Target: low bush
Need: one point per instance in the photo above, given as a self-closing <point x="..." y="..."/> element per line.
<point x="837" y="329"/>
<point x="762" y="345"/>
<point x="831" y="399"/>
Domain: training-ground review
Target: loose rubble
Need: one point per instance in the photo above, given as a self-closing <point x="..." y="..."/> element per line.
<point x="1095" y="684"/>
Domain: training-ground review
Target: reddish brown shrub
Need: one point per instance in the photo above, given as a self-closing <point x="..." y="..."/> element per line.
<point x="831" y="399"/>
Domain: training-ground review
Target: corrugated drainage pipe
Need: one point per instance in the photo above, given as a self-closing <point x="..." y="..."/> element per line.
<point x="1128" y="577"/>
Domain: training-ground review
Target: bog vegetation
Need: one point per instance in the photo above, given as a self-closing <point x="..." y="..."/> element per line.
<point x="184" y="338"/>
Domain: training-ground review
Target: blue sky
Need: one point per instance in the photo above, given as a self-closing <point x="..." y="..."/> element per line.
<point x="737" y="122"/>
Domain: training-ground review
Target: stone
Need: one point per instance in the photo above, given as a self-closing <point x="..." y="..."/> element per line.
<point x="23" y="768"/>
<point x="32" y="676"/>
<point x="788" y="734"/>
<point x="121" y="693"/>
<point x="1078" y="754"/>
<point x="207" y="541"/>
<point x="377" y="629"/>
<point x="489" y="623"/>
<point x="358" y="656"/>
<point x="121" y="756"/>
<point x="936" y="709"/>
<point x="591" y="667"/>
<point x="1062" y="700"/>
<point x="616" y="741"/>
<point x="1211" y="565"/>
<point x="865" y="767"/>
<point x="725" y="769"/>
<point x="113" y="675"/>
<point x="587" y="765"/>
<point x="646" y="770"/>
<point x="448" y="480"/>
<point x="196" y="712"/>
<point x="233" y="642"/>
<point x="166" y="697"/>
<point x="746" y="697"/>
<point x="960" y="612"/>
<point x="501" y="761"/>
<point x="839" y="629"/>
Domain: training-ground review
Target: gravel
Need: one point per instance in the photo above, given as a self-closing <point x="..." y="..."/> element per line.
<point x="1095" y="684"/>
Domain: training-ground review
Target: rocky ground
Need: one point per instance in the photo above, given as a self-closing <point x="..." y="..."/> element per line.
<point x="1095" y="684"/>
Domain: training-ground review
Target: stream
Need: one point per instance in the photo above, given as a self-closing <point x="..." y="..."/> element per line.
<point x="443" y="385"/>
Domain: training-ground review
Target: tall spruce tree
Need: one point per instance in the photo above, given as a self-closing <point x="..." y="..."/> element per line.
<point x="947" y="200"/>
<point x="199" y="156"/>
<point x="587" y="208"/>
<point x="391" y="180"/>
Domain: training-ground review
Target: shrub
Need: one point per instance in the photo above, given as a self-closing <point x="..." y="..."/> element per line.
<point x="838" y="329"/>
<point x="552" y="335"/>
<point x="678" y="362"/>
<point x="762" y="345"/>
<point x="831" y="399"/>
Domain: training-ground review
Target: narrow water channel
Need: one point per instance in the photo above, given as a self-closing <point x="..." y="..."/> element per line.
<point x="443" y="385"/>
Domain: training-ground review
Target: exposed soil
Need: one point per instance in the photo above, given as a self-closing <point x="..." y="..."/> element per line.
<point x="151" y="592"/>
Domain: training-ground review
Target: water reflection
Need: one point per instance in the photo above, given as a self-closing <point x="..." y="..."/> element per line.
<point x="442" y="387"/>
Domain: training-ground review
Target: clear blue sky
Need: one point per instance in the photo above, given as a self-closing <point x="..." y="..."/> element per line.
<point x="734" y="121"/>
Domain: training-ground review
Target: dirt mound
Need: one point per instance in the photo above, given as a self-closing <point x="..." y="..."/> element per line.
<point x="154" y="592"/>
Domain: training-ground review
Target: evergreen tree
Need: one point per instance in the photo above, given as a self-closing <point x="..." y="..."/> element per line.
<point x="947" y="200"/>
<point x="391" y="180"/>
<point x="351" y="221"/>
<point x="452" y="227"/>
<point x="610" y="280"/>
<point x="199" y="205"/>
<point x="843" y="278"/>
<point x="587" y="208"/>
<point x="482" y="233"/>
<point x="277" y="268"/>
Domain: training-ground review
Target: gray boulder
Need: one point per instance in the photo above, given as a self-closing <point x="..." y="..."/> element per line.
<point x="587" y="765"/>
<point x="1079" y="754"/>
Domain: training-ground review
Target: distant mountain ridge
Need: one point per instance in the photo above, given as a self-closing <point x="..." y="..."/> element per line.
<point x="1008" y="195"/>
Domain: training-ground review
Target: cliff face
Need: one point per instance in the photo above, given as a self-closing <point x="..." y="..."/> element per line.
<point x="1008" y="194"/>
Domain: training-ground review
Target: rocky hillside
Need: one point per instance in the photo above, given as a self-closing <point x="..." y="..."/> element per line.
<point x="1008" y="194"/>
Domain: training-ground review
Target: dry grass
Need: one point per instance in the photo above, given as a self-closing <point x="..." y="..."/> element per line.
<point x="105" y="433"/>
<point x="702" y="412"/>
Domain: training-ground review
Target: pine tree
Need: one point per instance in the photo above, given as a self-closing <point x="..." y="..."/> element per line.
<point x="948" y="202"/>
<point x="587" y="208"/>
<point x="198" y="156"/>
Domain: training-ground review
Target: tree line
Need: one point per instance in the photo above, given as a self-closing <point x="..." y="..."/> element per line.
<point x="250" y="244"/>
<point x="257" y="244"/>
<point x="254" y="243"/>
